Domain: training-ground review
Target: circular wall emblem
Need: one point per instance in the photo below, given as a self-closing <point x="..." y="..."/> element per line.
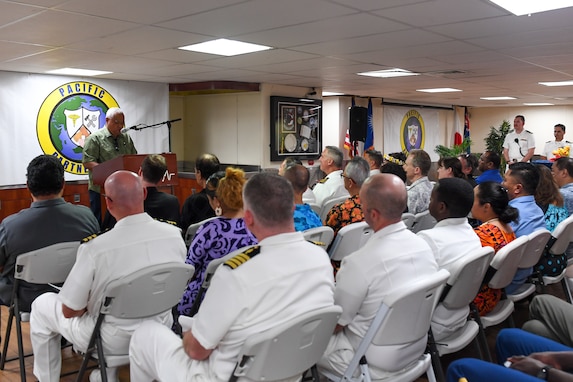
<point x="412" y="131"/>
<point x="68" y="115"/>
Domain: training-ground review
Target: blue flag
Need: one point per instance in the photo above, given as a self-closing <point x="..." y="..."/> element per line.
<point x="369" y="144"/>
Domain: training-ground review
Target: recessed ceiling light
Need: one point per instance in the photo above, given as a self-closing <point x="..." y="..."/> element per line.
<point x="526" y="7"/>
<point x="439" y="90"/>
<point x="224" y="47"/>
<point x="538" y="104"/>
<point x="78" y="72"/>
<point x="496" y="98"/>
<point x="388" y="73"/>
<point x="328" y="94"/>
<point x="557" y="83"/>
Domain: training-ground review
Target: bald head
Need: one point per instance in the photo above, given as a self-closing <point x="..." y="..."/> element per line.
<point x="298" y="176"/>
<point x="124" y="194"/>
<point x="384" y="199"/>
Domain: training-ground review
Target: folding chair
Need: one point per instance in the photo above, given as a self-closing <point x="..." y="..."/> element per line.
<point x="315" y="207"/>
<point x="558" y="244"/>
<point x="403" y="318"/>
<point x="319" y="235"/>
<point x="329" y="203"/>
<point x="141" y="294"/>
<point x="192" y="230"/>
<point x="48" y="265"/>
<point x="423" y="220"/>
<point x="461" y="289"/>
<point x="289" y="349"/>
<point x="349" y="239"/>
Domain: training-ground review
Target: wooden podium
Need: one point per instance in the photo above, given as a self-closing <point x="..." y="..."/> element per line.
<point x="133" y="163"/>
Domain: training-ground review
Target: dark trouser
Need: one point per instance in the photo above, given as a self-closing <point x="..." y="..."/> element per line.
<point x="95" y="205"/>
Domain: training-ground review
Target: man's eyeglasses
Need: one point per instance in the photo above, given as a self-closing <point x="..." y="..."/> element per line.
<point x="346" y="176"/>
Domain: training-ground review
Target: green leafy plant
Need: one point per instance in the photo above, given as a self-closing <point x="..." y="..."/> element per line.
<point x="455" y="150"/>
<point x="494" y="141"/>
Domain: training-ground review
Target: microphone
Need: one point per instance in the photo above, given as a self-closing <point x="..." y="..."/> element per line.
<point x="516" y="140"/>
<point x="126" y="129"/>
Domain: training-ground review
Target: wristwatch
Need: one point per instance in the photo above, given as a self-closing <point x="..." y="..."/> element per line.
<point x="544" y="372"/>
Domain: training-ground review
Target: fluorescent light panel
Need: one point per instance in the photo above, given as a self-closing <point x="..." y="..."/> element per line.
<point x="439" y="90"/>
<point x="224" y="47"/>
<point x="389" y="73"/>
<point x="526" y="7"/>
<point x="78" y="72"/>
<point x="328" y="94"/>
<point x="557" y="83"/>
<point x="496" y="98"/>
<point x="538" y="104"/>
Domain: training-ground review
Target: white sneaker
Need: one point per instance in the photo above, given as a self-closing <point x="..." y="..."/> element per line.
<point x="95" y="376"/>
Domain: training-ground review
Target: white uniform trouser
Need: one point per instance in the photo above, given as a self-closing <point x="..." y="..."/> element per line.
<point x="48" y="324"/>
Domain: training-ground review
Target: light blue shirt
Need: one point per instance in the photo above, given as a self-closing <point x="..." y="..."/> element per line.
<point x="567" y="192"/>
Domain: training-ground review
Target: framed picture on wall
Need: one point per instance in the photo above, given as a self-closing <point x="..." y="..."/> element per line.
<point x="296" y="128"/>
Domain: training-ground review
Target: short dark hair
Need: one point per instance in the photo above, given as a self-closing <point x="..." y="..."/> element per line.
<point x="562" y="126"/>
<point x="298" y="176"/>
<point x="270" y="197"/>
<point x="393" y="168"/>
<point x="153" y="168"/>
<point x="494" y="158"/>
<point x="565" y="163"/>
<point x="522" y="117"/>
<point x="208" y="164"/>
<point x="496" y="195"/>
<point x="421" y="159"/>
<point x="527" y="174"/>
<point x="45" y="175"/>
<point x="376" y="156"/>
<point x="457" y="194"/>
<point x="455" y="164"/>
<point x="336" y="155"/>
<point x="471" y="161"/>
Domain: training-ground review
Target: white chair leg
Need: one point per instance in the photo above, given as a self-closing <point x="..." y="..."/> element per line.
<point x="430" y="373"/>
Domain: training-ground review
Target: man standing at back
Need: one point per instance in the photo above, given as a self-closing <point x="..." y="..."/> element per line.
<point x="268" y="285"/>
<point x="417" y="166"/>
<point x="332" y="186"/>
<point x="137" y="241"/>
<point x="519" y="144"/>
<point x="49" y="220"/>
<point x="559" y="142"/>
<point x="392" y="258"/>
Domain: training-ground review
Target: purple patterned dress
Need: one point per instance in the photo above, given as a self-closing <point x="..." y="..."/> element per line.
<point x="214" y="239"/>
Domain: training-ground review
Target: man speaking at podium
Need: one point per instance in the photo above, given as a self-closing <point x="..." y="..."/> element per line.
<point x="105" y="144"/>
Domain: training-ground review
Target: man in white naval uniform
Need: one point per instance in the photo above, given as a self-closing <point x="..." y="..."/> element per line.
<point x="136" y="241"/>
<point x="550" y="146"/>
<point x="267" y="285"/>
<point x="392" y="258"/>
<point x="333" y="185"/>
<point x="519" y="144"/>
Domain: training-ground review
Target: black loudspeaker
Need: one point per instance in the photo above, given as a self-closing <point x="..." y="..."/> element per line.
<point x="358" y="123"/>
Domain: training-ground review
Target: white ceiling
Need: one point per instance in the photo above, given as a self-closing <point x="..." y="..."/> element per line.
<point x="318" y="43"/>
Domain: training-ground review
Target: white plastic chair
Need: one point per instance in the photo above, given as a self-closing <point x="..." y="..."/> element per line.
<point x="423" y="220"/>
<point x="403" y="318"/>
<point x="319" y="235"/>
<point x="48" y="265"/>
<point x="287" y="350"/>
<point x="329" y="203"/>
<point x="315" y="207"/>
<point x="560" y="241"/>
<point x="141" y="294"/>
<point x="349" y="239"/>
<point x="192" y="230"/>
<point x="461" y="289"/>
<point x="408" y="219"/>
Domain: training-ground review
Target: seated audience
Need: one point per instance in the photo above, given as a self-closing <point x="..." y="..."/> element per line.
<point x="394" y="164"/>
<point x="450" y="168"/>
<point x="374" y="159"/>
<point x="196" y="207"/>
<point x="350" y="210"/>
<point x="488" y="164"/>
<point x="49" y="220"/>
<point x="521" y="182"/>
<point x="550" y="317"/>
<point x="254" y="292"/>
<point x="562" y="170"/>
<point x="307" y="195"/>
<point x="491" y="206"/>
<point x="304" y="217"/>
<point x="451" y="239"/>
<point x="220" y="236"/>
<point x="392" y="258"/>
<point x="137" y="241"/>
<point x="469" y="165"/>
<point x="531" y="358"/>
<point x="332" y="186"/>
<point x="417" y="166"/>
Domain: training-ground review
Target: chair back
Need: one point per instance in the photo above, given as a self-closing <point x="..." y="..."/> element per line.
<point x="50" y="264"/>
<point x="315" y="207"/>
<point x="506" y="262"/>
<point x="423" y="220"/>
<point x="466" y="278"/>
<point x="534" y="249"/>
<point x="329" y="203"/>
<point x="147" y="292"/>
<point x="349" y="239"/>
<point x="408" y="219"/>
<point x="563" y="235"/>
<point x="192" y="230"/>
<point x="320" y="235"/>
<point x="289" y="349"/>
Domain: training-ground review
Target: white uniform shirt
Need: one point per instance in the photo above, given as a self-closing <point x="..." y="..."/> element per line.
<point x="374" y="172"/>
<point x="450" y="240"/>
<point x="330" y="187"/>
<point x="289" y="277"/>
<point x="518" y="149"/>
<point x="135" y="242"/>
<point x="551" y="146"/>
<point x="308" y="196"/>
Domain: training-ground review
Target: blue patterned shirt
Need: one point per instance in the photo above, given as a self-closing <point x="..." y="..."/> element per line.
<point x="305" y="218"/>
<point x="567" y="192"/>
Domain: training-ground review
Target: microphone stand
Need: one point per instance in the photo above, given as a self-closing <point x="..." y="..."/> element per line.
<point x="168" y="123"/>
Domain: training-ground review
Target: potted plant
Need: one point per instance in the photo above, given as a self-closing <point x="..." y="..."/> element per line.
<point x="494" y="141"/>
